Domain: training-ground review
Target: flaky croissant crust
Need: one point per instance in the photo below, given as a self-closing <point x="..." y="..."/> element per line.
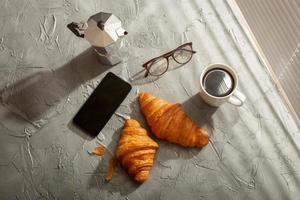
<point x="169" y="122"/>
<point x="136" y="150"/>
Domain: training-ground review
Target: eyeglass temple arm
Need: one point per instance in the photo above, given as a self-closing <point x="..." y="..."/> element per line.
<point x="192" y="51"/>
<point x="137" y="73"/>
<point x="147" y="71"/>
<point x="146" y="74"/>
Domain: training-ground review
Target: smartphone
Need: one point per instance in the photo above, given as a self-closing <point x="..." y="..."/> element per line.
<point x="102" y="104"/>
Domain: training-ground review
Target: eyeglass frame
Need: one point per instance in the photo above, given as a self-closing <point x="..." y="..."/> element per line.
<point x="167" y="56"/>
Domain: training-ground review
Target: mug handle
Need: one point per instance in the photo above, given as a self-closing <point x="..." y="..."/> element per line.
<point x="237" y="98"/>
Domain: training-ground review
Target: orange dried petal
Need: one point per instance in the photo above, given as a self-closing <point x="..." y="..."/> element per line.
<point x="99" y="151"/>
<point x="111" y="169"/>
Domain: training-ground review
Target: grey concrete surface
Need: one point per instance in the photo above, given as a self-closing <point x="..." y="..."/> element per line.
<point x="46" y="74"/>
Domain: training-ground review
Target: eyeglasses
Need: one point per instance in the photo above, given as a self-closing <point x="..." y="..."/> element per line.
<point x="159" y="65"/>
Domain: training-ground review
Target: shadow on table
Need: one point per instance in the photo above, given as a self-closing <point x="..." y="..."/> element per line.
<point x="34" y="95"/>
<point x="198" y="110"/>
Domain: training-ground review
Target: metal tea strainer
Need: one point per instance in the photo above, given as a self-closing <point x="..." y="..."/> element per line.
<point x="218" y="82"/>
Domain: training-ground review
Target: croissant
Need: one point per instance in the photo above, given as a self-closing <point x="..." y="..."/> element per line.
<point x="135" y="150"/>
<point x="168" y="121"/>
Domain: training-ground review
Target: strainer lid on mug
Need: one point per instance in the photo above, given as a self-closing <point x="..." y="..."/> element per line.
<point x="218" y="82"/>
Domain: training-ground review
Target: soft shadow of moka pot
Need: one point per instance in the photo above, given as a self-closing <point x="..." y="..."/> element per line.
<point x="102" y="30"/>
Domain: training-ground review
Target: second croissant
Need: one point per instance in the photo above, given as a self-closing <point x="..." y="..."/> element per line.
<point x="169" y="122"/>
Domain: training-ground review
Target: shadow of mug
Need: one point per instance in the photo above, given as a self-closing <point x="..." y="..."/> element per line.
<point x="198" y="110"/>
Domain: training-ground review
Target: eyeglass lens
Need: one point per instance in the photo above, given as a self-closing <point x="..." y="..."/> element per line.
<point x="183" y="55"/>
<point x="159" y="66"/>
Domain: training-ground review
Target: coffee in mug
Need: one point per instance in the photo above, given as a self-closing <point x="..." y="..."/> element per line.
<point x="218" y="84"/>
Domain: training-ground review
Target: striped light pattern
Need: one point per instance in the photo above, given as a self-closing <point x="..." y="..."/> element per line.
<point x="275" y="24"/>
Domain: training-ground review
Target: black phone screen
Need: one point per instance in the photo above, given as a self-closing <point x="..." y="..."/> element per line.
<point x="102" y="104"/>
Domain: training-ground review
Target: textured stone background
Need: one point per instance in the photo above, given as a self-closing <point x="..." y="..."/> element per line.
<point x="47" y="74"/>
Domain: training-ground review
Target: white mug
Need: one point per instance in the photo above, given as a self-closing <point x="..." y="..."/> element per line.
<point x="235" y="97"/>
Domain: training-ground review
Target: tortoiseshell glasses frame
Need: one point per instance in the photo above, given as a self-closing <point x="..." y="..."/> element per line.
<point x="159" y="65"/>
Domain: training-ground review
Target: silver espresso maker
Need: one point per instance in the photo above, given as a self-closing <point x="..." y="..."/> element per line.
<point x="102" y="30"/>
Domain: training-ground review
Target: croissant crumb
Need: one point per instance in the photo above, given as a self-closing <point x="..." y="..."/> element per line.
<point x="111" y="168"/>
<point x="99" y="151"/>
